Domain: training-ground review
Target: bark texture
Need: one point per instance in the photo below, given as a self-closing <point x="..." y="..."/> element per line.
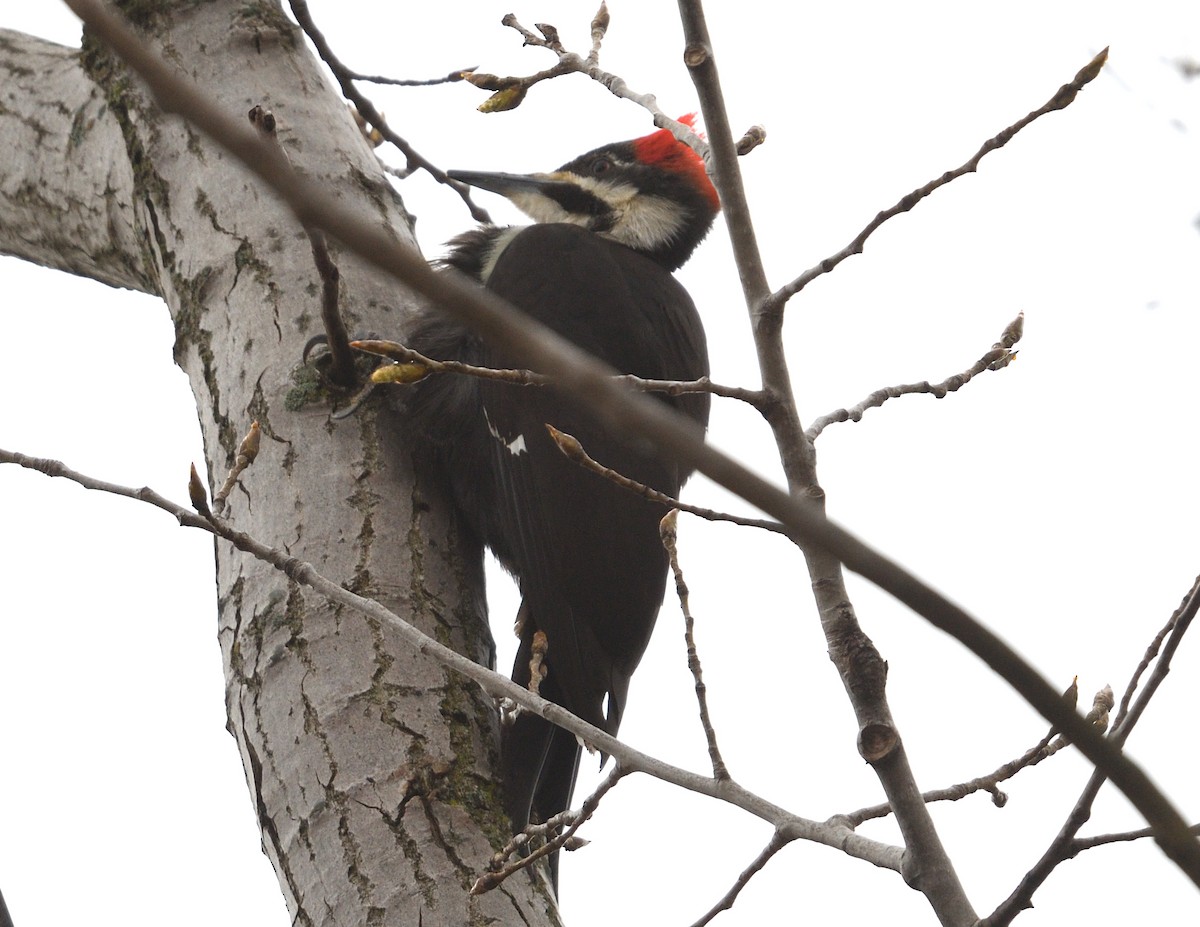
<point x="371" y="768"/>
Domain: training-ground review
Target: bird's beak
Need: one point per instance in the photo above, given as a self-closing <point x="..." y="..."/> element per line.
<point x="542" y="197"/>
<point x="510" y="185"/>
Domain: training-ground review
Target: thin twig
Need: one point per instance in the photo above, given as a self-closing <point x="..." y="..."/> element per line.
<point x="588" y="380"/>
<point x="501" y="871"/>
<point x="574" y="450"/>
<point x="368" y="111"/>
<point x="1151" y="652"/>
<point x="1079" y="844"/>
<point x="508" y="92"/>
<point x="246" y="452"/>
<point x="778" y="842"/>
<point x="753" y="397"/>
<point x="403" y="354"/>
<point x="987" y="783"/>
<point x="340" y="369"/>
<point x="453" y="77"/>
<point x="1063" y="98"/>
<point x="667" y="531"/>
<point x="999" y="357"/>
<point x="1060" y="848"/>
<point x="425" y="366"/>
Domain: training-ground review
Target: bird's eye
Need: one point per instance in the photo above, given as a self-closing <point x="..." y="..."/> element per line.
<point x="601" y="165"/>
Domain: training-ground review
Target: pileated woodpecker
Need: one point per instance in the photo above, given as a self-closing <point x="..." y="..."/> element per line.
<point x="612" y="226"/>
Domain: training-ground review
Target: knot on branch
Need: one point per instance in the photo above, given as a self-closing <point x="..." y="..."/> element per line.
<point x="877" y="742"/>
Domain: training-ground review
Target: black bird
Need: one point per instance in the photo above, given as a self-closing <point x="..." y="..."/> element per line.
<point x="612" y="226"/>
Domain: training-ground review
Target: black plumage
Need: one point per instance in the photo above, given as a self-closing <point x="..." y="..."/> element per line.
<point x="586" y="553"/>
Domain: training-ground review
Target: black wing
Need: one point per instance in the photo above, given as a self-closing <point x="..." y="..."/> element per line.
<point x="586" y="552"/>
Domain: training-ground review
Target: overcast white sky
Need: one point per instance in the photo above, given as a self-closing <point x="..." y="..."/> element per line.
<point x="1055" y="499"/>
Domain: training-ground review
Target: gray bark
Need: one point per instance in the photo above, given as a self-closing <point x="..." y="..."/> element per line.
<point x="66" y="183"/>
<point x="371" y="768"/>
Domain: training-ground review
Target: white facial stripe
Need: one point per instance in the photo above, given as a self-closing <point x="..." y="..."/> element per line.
<point x="638" y="221"/>
<point x="615" y="194"/>
<point x="643" y="222"/>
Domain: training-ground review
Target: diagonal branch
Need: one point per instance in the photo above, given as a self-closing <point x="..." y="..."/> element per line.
<point x="573" y="819"/>
<point x="778" y="842"/>
<point x="1062" y="847"/>
<point x="628" y="760"/>
<point x="672" y="436"/>
<point x="999" y="357"/>
<point x="368" y="111"/>
<point x="574" y="450"/>
<point x="1063" y="98"/>
<point x="1183" y="613"/>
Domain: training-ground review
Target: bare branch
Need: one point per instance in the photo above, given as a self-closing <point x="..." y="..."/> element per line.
<point x="752" y="397"/>
<point x="573" y="819"/>
<point x="341" y="359"/>
<point x="416" y="366"/>
<point x="508" y="92"/>
<point x="497" y="686"/>
<point x="1179" y="623"/>
<point x="778" y="404"/>
<point x="1061" y="848"/>
<point x="999" y="357"/>
<point x="1184" y="612"/>
<point x="1087" y="843"/>
<point x="453" y="77"/>
<point x="987" y="783"/>
<point x="367" y="110"/>
<point x="667" y="531"/>
<point x="860" y="666"/>
<point x="777" y="843"/>
<point x="402" y="354"/>
<point x="670" y="434"/>
<point x="574" y="450"/>
<point x="1063" y="98"/>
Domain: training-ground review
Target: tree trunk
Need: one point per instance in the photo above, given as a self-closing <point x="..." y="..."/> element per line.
<point x="372" y="769"/>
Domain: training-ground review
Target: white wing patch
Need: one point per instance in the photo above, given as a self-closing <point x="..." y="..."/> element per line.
<point x="516" y="446"/>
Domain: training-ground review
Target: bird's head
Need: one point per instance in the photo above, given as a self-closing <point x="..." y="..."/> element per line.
<point x="650" y="194"/>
